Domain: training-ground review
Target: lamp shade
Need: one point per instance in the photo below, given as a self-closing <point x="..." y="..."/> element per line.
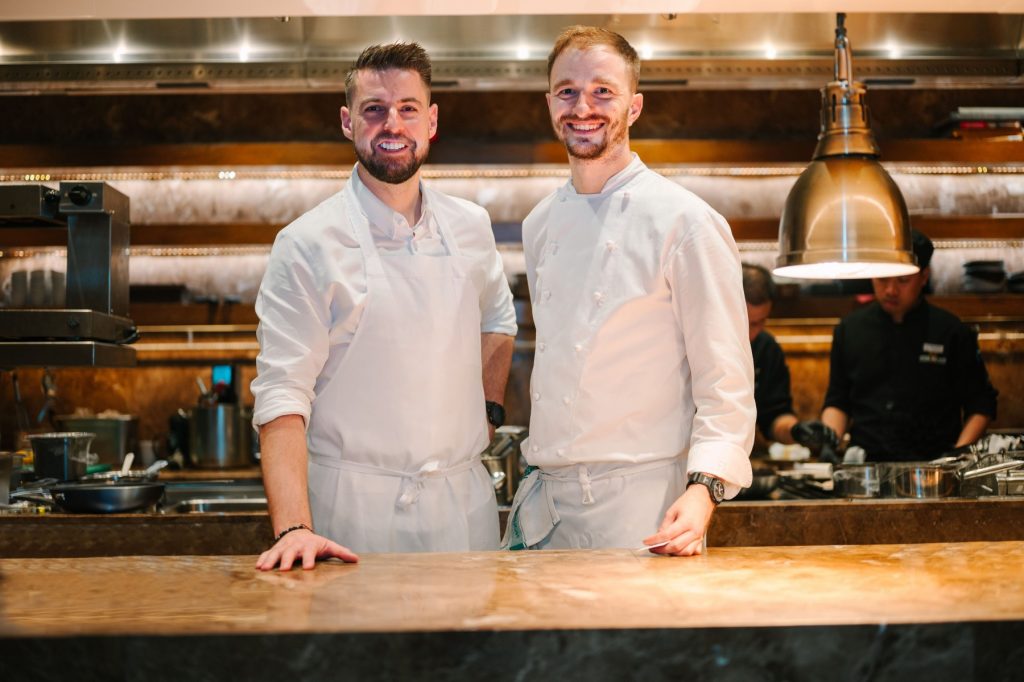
<point x="844" y="217"/>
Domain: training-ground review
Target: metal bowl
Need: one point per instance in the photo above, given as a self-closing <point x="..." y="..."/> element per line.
<point x="857" y="480"/>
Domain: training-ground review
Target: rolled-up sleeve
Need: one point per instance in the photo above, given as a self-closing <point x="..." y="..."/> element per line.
<point x="707" y="294"/>
<point x="293" y="333"/>
<point x="497" y="312"/>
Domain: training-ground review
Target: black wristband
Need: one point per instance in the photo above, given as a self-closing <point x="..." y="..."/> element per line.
<point x="289" y="530"/>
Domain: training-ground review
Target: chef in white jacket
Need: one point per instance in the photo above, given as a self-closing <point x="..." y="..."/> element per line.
<point x="386" y="326"/>
<point x="642" y="391"/>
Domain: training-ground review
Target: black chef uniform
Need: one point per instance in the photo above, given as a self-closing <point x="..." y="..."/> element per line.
<point x="907" y="388"/>
<point x="771" y="382"/>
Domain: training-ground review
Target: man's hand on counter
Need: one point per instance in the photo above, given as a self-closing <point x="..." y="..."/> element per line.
<point x="685" y="523"/>
<point x="307" y="547"/>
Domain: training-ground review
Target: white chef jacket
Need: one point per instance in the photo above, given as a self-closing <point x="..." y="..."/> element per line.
<point x="642" y="352"/>
<point x="314" y="292"/>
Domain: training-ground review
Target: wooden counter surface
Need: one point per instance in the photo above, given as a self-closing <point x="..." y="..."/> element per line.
<point x="730" y="587"/>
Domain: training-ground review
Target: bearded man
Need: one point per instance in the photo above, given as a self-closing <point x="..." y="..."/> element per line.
<point x="386" y="331"/>
<point x="642" y="415"/>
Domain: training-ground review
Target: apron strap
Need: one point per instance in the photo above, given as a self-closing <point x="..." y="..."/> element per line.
<point x="412" y="481"/>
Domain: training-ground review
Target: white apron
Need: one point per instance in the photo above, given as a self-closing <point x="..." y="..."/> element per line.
<point x="593" y="506"/>
<point x="407" y="399"/>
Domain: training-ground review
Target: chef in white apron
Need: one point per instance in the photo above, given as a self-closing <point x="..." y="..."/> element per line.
<point x="643" y="379"/>
<point x="386" y="323"/>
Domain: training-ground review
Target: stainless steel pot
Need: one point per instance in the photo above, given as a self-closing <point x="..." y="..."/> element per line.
<point x="116" y="435"/>
<point x="502" y="461"/>
<point x="923" y="480"/>
<point x="858" y="480"/>
<point x="215" y="439"/>
<point x="62" y="455"/>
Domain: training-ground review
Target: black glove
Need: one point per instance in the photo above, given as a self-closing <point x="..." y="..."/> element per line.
<point x="815" y="435"/>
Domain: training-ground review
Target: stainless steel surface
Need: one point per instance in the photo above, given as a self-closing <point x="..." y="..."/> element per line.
<point x="65" y="354"/>
<point x="6" y="467"/>
<point x="218" y="506"/>
<point x="61" y="455"/>
<point x="30" y="204"/>
<point x="766" y="50"/>
<point x="844" y="217"/>
<point x="213" y="497"/>
<point x="67" y="324"/>
<point x="115" y="435"/>
<point x="215" y="440"/>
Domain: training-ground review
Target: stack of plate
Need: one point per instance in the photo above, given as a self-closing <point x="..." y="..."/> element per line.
<point x="984" y="276"/>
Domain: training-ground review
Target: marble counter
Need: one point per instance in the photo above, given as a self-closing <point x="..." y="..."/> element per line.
<point x="948" y="610"/>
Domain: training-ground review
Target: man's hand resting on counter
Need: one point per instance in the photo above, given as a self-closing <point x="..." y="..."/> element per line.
<point x="306" y="546"/>
<point x="685" y="523"/>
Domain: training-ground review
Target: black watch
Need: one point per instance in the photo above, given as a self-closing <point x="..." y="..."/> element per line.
<point x="495" y="413"/>
<point x="714" y="485"/>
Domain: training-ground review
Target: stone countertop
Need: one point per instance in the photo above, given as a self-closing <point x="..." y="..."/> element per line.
<point x="945" y="611"/>
<point x="552" y="590"/>
<point x="735" y="524"/>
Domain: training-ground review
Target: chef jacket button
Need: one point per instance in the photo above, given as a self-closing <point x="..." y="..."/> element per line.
<point x="547" y="294"/>
<point x="611" y="245"/>
<point x="578" y="347"/>
<point x="542" y="346"/>
<point x="598" y="298"/>
<point x="535" y="448"/>
<point x="889" y="405"/>
<point x="560" y="451"/>
<point x="565" y="399"/>
<point x="536" y="395"/>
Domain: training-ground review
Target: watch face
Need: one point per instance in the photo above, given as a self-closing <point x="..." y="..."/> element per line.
<point x="718" y="490"/>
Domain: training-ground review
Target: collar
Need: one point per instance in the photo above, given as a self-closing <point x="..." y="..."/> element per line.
<point x="613" y="184"/>
<point x="384" y="220"/>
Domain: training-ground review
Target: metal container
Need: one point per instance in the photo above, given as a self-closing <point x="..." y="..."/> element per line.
<point x="62" y="455"/>
<point x="116" y="435"/>
<point x="502" y="459"/>
<point x="857" y="480"/>
<point x="937" y="479"/>
<point x="215" y="441"/>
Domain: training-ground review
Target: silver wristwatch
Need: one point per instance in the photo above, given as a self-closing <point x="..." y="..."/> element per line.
<point x="714" y="485"/>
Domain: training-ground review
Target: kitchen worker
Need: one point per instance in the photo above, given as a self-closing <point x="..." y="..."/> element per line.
<point x="775" y="417"/>
<point x="642" y="412"/>
<point x="907" y="379"/>
<point x="386" y="331"/>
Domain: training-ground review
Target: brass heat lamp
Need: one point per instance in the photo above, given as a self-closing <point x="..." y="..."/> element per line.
<point x="844" y="218"/>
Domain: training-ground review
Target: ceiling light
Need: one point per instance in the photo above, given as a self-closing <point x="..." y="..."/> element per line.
<point x="119" y="53"/>
<point x="894" y="51"/>
<point x="646" y="52"/>
<point x="769" y="51"/>
<point x="522" y="52"/>
<point x="243" y="51"/>
<point x="844" y="218"/>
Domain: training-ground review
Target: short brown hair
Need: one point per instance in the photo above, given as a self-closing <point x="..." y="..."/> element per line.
<point x="758" y="287"/>
<point x="583" y="37"/>
<point x="402" y="56"/>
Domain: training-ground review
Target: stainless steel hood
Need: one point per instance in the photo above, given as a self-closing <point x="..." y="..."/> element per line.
<point x="504" y="52"/>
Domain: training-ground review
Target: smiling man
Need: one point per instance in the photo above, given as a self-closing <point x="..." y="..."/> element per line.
<point x="906" y="378"/>
<point x="386" y="332"/>
<point x="642" y="413"/>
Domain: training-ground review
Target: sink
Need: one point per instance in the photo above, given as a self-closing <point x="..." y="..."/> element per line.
<point x="211" y="497"/>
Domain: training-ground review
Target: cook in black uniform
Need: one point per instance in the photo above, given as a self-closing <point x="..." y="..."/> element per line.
<point x="906" y="377"/>
<point x="775" y="418"/>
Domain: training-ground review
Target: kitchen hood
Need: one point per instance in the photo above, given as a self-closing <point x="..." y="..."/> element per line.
<point x="504" y="52"/>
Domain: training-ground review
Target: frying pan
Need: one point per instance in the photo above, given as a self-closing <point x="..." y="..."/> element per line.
<point x="100" y="498"/>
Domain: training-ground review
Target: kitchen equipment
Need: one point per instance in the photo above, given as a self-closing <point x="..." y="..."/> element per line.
<point x="932" y="479"/>
<point x="61" y="455"/>
<point x="6" y="468"/>
<point x="93" y="330"/>
<point x="116" y="434"/>
<point x="502" y="459"/>
<point x="98" y="498"/>
<point x="150" y="473"/>
<point x="858" y="480"/>
<point x="215" y="439"/>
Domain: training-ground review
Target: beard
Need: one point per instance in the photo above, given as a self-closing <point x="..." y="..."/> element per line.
<point x="392" y="171"/>
<point x="587" y="149"/>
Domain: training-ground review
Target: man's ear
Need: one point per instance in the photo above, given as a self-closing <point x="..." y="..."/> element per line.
<point x="346" y="122"/>
<point x="636" y="105"/>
